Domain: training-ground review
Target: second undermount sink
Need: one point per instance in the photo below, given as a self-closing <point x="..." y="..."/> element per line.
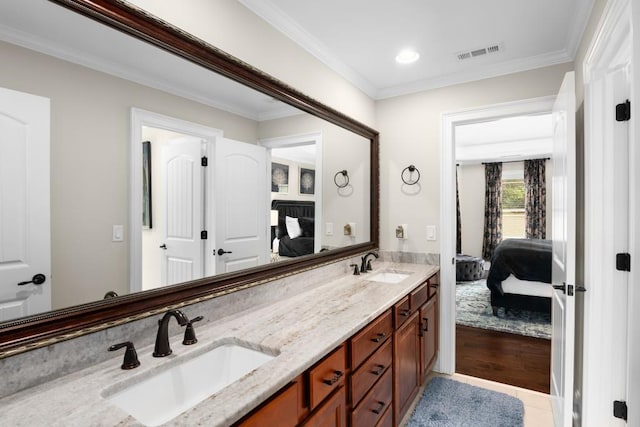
<point x="389" y="276"/>
<point x="163" y="396"/>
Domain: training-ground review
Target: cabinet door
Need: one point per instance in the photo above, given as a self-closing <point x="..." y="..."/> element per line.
<point x="429" y="335"/>
<point x="333" y="413"/>
<point x="407" y="372"/>
<point x="281" y="410"/>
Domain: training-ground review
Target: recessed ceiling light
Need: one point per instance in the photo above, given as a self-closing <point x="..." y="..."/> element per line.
<point x="407" y="57"/>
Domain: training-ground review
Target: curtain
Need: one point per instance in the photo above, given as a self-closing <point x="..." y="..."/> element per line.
<point x="458" y="219"/>
<point x="492" y="209"/>
<point x="535" y="206"/>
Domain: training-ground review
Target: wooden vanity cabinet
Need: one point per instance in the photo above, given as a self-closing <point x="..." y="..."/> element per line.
<point x="429" y="335"/>
<point x="406" y="365"/>
<point x="369" y="381"/>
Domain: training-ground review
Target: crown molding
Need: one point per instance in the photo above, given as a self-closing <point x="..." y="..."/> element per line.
<point x="280" y="21"/>
<point x="576" y="32"/>
<point x="47" y="47"/>
<point x="486" y="72"/>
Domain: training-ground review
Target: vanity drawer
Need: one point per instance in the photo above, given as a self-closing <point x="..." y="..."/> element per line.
<point x="370" y="372"/>
<point x="374" y="404"/>
<point x="419" y="296"/>
<point x="327" y="376"/>
<point x="370" y="339"/>
<point x="401" y="311"/>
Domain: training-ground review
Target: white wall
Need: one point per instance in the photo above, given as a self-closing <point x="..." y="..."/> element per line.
<point x="410" y="129"/>
<point x="90" y="163"/>
<point x="230" y="26"/>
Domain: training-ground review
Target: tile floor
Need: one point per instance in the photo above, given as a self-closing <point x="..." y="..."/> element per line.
<point x="537" y="406"/>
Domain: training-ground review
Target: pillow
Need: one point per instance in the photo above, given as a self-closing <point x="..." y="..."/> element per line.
<point x="293" y="227"/>
<point x="307" y="226"/>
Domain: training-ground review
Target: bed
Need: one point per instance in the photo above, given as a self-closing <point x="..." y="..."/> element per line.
<point x="300" y="217"/>
<point x="520" y="275"/>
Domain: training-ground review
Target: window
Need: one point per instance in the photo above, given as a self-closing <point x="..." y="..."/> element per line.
<point x="513" y="223"/>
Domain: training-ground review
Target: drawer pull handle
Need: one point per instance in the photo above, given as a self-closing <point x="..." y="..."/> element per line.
<point x="378" y="371"/>
<point x="379" y="337"/>
<point x="426" y="324"/>
<point x="380" y="407"/>
<point x="336" y="377"/>
<point x="405" y="313"/>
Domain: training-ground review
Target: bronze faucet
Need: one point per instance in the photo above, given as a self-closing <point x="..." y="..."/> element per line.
<point x="162" y="347"/>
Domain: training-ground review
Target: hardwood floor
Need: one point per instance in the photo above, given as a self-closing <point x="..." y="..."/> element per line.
<point x="506" y="358"/>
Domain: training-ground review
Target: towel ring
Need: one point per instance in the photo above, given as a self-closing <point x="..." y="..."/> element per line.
<point x="346" y="179"/>
<point x="411" y="169"/>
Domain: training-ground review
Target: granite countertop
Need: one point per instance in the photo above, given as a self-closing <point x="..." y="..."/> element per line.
<point x="300" y="330"/>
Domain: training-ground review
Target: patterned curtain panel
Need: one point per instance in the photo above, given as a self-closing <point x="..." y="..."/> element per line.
<point x="492" y="209"/>
<point x="535" y="209"/>
<point x="458" y="219"/>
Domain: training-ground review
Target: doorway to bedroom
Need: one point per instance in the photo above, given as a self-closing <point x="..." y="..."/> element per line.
<point x="503" y="324"/>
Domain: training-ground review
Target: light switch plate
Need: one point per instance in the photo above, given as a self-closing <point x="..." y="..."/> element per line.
<point x="328" y="229"/>
<point x="118" y="233"/>
<point x="431" y="232"/>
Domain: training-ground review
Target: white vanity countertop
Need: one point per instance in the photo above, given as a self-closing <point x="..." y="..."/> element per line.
<point x="302" y="329"/>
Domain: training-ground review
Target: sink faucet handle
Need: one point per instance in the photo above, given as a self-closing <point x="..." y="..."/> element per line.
<point x="190" y="333"/>
<point x="356" y="272"/>
<point x="130" y="356"/>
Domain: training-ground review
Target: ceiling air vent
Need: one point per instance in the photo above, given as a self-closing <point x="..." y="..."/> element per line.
<point x="494" y="48"/>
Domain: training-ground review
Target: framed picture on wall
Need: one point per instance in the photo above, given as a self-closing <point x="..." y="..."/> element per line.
<point x="307" y="181"/>
<point x="146" y="185"/>
<point x="279" y="178"/>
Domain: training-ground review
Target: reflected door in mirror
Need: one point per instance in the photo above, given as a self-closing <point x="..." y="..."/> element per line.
<point x="24" y="204"/>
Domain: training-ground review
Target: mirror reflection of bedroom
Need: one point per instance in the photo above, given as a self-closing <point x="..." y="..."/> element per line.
<point x="294" y="209"/>
<point x="503" y="261"/>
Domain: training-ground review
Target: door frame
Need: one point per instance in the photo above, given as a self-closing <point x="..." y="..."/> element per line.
<point x="611" y="46"/>
<point x="293" y="141"/>
<point x="140" y="118"/>
<point x="447" y="357"/>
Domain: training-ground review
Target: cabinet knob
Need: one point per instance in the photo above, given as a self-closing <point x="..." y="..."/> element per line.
<point x="336" y="377"/>
<point x="379" y="370"/>
<point x="380" y="407"/>
<point x="379" y="337"/>
<point x="405" y="313"/>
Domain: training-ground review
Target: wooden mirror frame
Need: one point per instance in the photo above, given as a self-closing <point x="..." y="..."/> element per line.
<point x="39" y="330"/>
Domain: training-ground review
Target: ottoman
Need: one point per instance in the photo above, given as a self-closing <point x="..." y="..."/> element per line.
<point x="469" y="268"/>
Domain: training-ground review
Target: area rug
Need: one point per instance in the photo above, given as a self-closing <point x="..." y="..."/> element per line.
<point x="473" y="308"/>
<point x="448" y="403"/>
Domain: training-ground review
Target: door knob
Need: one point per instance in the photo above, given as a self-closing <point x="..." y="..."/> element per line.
<point x="163" y="246"/>
<point x="37" y="279"/>
<point x="222" y="252"/>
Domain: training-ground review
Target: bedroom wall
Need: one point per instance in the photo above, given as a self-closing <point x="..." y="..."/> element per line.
<point x="410" y="129"/>
<point x="471" y="187"/>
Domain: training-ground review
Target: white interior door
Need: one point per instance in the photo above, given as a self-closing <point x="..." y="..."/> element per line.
<point x="25" y="242"/>
<point x="563" y="269"/>
<point x="240" y="205"/>
<point x="182" y="247"/>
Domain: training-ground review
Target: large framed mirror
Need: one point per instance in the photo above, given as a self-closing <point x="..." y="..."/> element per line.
<point x="169" y="171"/>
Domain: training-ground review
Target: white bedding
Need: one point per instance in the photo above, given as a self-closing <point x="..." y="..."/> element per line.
<point x="512" y="285"/>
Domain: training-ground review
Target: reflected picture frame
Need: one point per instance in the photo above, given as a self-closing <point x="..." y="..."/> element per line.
<point x="279" y="178"/>
<point x="307" y="182"/>
<point x="147" y="217"/>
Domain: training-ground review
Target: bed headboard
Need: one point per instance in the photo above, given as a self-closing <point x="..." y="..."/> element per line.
<point x="294" y="209"/>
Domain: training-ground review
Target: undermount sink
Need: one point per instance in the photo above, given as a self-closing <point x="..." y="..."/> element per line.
<point x="166" y="394"/>
<point x="389" y="276"/>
